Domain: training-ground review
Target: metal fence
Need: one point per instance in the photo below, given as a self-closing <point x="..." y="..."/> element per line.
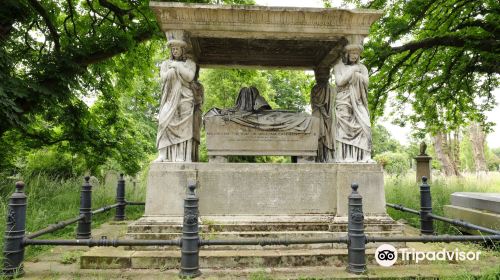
<point x="190" y="242"/>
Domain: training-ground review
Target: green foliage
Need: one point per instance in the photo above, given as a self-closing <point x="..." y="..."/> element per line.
<point x="70" y="257"/>
<point x="54" y="163"/>
<point x="81" y="74"/>
<point x="439" y="56"/>
<point x="282" y="89"/>
<point x="466" y="154"/>
<point x="223" y="85"/>
<point x="492" y="159"/>
<point x="394" y="163"/>
<point x="405" y="191"/>
<point x="52" y="200"/>
<point x="383" y="141"/>
<point x="292" y="89"/>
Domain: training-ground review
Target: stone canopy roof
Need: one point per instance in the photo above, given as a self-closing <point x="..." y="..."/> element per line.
<point x="265" y="37"/>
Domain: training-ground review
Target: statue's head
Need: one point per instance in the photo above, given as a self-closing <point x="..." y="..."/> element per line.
<point x="177" y="49"/>
<point x="353" y="53"/>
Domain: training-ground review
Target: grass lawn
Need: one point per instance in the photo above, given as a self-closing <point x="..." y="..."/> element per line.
<point x="50" y="201"/>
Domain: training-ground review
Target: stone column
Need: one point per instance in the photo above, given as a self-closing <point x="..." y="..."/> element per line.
<point x="423" y="163"/>
<point x="423" y="167"/>
<point x="322" y="104"/>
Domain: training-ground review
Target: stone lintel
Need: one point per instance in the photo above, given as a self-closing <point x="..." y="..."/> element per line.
<point x="241" y="21"/>
<point x="265" y="37"/>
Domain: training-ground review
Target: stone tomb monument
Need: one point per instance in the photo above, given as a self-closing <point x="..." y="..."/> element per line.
<point x="305" y="199"/>
<point x="252" y="127"/>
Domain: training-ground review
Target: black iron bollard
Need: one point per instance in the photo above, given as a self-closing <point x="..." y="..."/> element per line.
<point x="13" y="252"/>
<point x="190" y="237"/>
<point x="426" y="222"/>
<point x="120" y="199"/>
<point x="356" y="232"/>
<point x="84" y="229"/>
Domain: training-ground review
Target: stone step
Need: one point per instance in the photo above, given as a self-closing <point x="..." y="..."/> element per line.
<point x="105" y="258"/>
<point x="335" y="227"/>
<point x="291" y="235"/>
<point x="232" y="227"/>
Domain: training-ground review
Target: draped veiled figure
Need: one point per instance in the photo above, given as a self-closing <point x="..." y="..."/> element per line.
<point x="176" y="117"/>
<point x="322" y="104"/>
<point x="353" y="131"/>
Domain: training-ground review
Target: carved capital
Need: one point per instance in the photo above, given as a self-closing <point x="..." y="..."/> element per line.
<point x="355" y="39"/>
<point x="179" y="36"/>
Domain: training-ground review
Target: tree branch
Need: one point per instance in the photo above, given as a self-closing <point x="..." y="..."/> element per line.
<point x="119" y="12"/>
<point x="487" y="45"/>
<point x="52" y="29"/>
<point x="104" y="54"/>
<point x="479" y="23"/>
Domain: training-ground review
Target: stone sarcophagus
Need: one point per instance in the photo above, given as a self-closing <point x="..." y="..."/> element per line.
<point x="226" y="136"/>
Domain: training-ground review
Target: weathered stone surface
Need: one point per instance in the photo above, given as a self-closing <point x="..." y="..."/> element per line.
<point x="249" y="190"/>
<point x="250" y="36"/>
<point x="227" y="259"/>
<point x="473" y="216"/>
<point x="370" y="179"/>
<point x="106" y="258"/>
<point x="225" y="137"/>
<point x="481" y="201"/>
<point x="423" y="167"/>
<point x="260" y="235"/>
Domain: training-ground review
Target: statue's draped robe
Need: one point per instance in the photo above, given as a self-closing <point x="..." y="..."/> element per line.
<point x="199" y="94"/>
<point x="175" y="128"/>
<point x="323" y="105"/>
<point x="353" y="132"/>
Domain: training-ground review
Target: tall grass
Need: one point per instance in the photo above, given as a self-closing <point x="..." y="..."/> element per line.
<point x="51" y="200"/>
<point x="405" y="190"/>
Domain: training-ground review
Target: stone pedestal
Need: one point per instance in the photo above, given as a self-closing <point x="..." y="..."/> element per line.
<point x="423" y="167"/>
<point x="248" y="190"/>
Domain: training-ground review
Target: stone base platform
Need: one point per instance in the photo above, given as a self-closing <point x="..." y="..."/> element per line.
<point x="255" y="228"/>
<point x="244" y="190"/>
<point x="240" y="201"/>
<point x="269" y="264"/>
<point x="116" y="258"/>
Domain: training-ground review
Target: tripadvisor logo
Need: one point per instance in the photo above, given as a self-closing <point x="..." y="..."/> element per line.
<point x="386" y="255"/>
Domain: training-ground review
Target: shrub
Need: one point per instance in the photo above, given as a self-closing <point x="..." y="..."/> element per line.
<point x="53" y="163"/>
<point x="394" y="163"/>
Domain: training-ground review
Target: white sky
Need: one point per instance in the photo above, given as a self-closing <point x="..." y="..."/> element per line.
<point x="400" y="133"/>
<point x="291" y="3"/>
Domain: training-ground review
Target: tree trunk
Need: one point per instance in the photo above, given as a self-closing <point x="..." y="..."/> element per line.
<point x="477" y="138"/>
<point x="444" y="154"/>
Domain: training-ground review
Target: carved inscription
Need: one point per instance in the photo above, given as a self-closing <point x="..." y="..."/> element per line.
<point x="229" y="138"/>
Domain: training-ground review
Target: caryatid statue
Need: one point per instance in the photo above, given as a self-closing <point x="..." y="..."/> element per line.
<point x="181" y="95"/>
<point x="353" y="131"/>
<point x="322" y="103"/>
